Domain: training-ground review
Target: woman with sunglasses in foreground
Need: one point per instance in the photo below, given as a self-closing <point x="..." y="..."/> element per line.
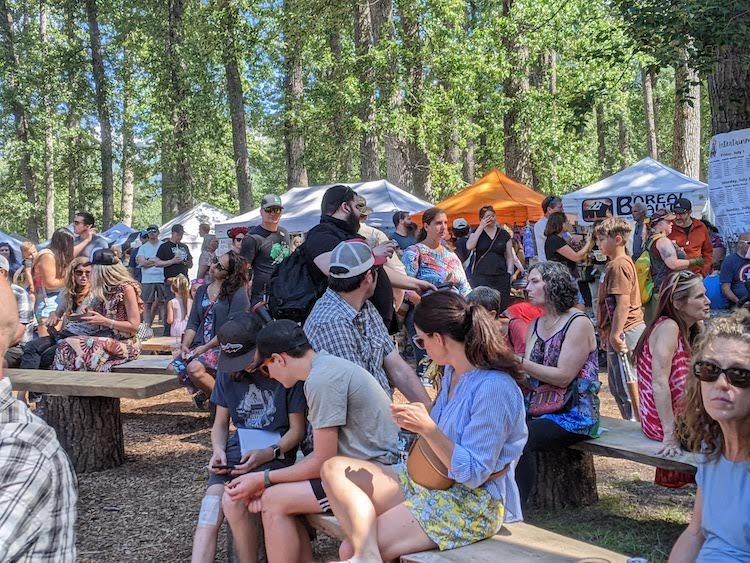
<point x="212" y="304"/>
<point x="717" y="424"/>
<point x="663" y="361"/>
<point x="476" y="430"/>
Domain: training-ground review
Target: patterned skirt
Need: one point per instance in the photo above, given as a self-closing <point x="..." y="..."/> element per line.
<point x="209" y="359"/>
<point x="94" y="353"/>
<point x="452" y="518"/>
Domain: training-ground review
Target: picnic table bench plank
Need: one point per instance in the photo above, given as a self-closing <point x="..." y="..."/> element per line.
<point x="159" y="344"/>
<point x="144" y="364"/>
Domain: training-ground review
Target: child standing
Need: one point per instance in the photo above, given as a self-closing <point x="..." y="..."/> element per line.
<point x="178" y="307"/>
<point x="619" y="314"/>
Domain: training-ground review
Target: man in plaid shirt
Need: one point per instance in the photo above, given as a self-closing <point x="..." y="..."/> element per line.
<point x="38" y="488"/>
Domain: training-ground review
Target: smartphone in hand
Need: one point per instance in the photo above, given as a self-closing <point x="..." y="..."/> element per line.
<point x="223" y="467"/>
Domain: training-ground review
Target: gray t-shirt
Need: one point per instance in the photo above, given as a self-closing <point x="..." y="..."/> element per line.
<point x="340" y="393"/>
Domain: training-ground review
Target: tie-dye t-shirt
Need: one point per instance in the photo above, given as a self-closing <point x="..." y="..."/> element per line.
<point x="436" y="266"/>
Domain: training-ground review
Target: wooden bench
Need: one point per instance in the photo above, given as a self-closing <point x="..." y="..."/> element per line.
<point x="145" y="364"/>
<point x="159" y="344"/>
<point x="514" y="543"/>
<point x="84" y="408"/>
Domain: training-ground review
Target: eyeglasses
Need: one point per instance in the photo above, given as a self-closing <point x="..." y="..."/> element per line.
<point x="710" y="372"/>
<point x="218" y="265"/>
<point x="77" y="222"/>
<point x="419" y="341"/>
<point x="274" y="210"/>
<point x="238" y="238"/>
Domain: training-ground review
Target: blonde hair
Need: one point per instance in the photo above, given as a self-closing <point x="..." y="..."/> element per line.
<point x="27" y="246"/>
<point x="612" y="227"/>
<point x="181" y="288"/>
<point x="72" y="295"/>
<point x="106" y="279"/>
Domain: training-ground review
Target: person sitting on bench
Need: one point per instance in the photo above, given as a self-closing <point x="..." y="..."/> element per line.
<point x="476" y="430"/>
<point x="349" y="413"/>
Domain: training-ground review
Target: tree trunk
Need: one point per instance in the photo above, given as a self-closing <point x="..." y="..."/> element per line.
<point x="49" y="144"/>
<point x="686" y="145"/>
<point x="102" y="93"/>
<point x="601" y="141"/>
<point x="564" y="478"/>
<point x="552" y="61"/>
<point x="20" y="120"/>
<point x="89" y="429"/>
<point x="128" y="144"/>
<point x="516" y="88"/>
<point x="469" y="167"/>
<point x="649" y="111"/>
<point x="623" y="140"/>
<point x="236" y="108"/>
<point x="345" y="165"/>
<point x="368" y="147"/>
<point x="728" y="92"/>
<point x="72" y="146"/>
<point x="294" y="140"/>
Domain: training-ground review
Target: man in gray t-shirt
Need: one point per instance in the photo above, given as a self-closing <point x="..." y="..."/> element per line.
<point x="350" y="415"/>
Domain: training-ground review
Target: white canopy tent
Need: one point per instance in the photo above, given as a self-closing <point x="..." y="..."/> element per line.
<point x="117" y="233"/>
<point x="302" y="207"/>
<point x="647" y="181"/>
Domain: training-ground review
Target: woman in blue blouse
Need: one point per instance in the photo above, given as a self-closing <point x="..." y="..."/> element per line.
<point x="476" y="428"/>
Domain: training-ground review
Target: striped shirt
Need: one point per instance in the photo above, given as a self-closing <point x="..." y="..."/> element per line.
<point x="38" y="489"/>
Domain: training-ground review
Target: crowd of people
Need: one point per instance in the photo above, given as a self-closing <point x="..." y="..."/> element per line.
<point x="502" y="361"/>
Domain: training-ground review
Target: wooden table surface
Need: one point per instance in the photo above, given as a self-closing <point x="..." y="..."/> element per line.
<point x="159" y="344"/>
<point x="145" y="364"/>
<point x="92" y="384"/>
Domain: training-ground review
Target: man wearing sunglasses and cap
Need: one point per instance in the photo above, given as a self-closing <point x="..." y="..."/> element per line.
<point x="692" y="236"/>
<point x="265" y="245"/>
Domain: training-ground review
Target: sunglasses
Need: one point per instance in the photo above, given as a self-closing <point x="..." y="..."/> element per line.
<point x="274" y="210"/>
<point x="419" y="341"/>
<point x="82" y="272"/>
<point x="682" y="275"/>
<point x="263" y="367"/>
<point x="218" y="265"/>
<point x="238" y="238"/>
<point x="710" y="372"/>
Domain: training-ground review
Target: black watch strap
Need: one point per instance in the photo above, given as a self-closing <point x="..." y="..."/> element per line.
<point x="277" y="451"/>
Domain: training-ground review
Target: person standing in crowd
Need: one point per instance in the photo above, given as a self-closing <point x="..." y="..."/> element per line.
<point x="176" y="259"/>
<point x="349" y="414"/>
<point x="404" y="235"/>
<point x="640" y="232"/>
<point x="212" y="305"/>
<point x="265" y="245"/>
<point x="384" y="512"/>
<point x="24" y="276"/>
<point x="493" y="251"/>
<point x="237" y="235"/>
<point x="692" y="236"/>
<point x="48" y="270"/>
<point x="344" y="323"/>
<point x="37" y="520"/>
<point x="86" y="241"/>
<point x="717" y="424"/>
<point x="561" y="351"/>
<point x="252" y="402"/>
<point x="205" y="259"/>
<point x="179" y="306"/>
<point x="115" y="310"/>
<point x="204" y="230"/>
<point x="550" y="204"/>
<point x="619" y="315"/>
<point x="663" y="363"/>
<point x="460" y="238"/>
<point x="152" y="278"/>
<point x="735" y="272"/>
<point x="558" y="250"/>
<point x="7" y="252"/>
<point x="135" y="246"/>
<point x="25" y="329"/>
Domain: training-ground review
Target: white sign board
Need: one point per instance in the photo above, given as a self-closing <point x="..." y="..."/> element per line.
<point x="729" y="182"/>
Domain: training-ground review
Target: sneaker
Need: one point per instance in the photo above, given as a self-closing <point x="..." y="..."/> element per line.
<point x="200" y="400"/>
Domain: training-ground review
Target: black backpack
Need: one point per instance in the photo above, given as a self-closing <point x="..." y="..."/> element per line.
<point x="292" y="289"/>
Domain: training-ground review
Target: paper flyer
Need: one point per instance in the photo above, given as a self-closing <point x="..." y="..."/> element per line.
<point x="729" y="182"/>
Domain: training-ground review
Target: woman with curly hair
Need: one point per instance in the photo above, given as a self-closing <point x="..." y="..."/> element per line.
<point x="716" y="423"/>
<point x="48" y="272"/>
<point x="562" y="362"/>
<point x="237" y="235"/>
<point x="212" y="305"/>
<point x="114" y="307"/>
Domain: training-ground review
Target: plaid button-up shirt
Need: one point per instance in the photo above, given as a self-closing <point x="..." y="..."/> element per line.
<point x="357" y="336"/>
<point x="25" y="311"/>
<point x="38" y="489"/>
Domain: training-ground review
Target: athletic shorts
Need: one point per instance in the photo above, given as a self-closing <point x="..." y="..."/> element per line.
<point x="153" y="292"/>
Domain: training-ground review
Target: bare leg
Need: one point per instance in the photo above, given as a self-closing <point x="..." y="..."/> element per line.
<point x="243" y="527"/>
<point x="148" y="316"/>
<point x="399" y="533"/>
<point x="200" y="377"/>
<point x="358" y="492"/>
<point x="209" y="524"/>
<point x="286" y="539"/>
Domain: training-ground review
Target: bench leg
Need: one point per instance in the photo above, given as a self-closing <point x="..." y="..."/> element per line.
<point x="564" y="477"/>
<point x="89" y="429"/>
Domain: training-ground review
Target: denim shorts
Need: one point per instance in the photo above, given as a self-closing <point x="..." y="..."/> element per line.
<point x="46" y="306"/>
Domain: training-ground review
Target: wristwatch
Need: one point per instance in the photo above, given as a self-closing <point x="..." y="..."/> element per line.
<point x="277" y="452"/>
<point x="267" y="478"/>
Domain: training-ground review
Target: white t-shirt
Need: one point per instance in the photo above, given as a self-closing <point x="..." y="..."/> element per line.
<point x="539" y="237"/>
<point x="154" y="274"/>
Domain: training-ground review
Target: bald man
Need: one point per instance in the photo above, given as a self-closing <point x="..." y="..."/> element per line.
<point x="38" y="489"/>
<point x="640" y="232"/>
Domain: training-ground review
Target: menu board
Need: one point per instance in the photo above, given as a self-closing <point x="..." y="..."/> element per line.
<point x="729" y="182"/>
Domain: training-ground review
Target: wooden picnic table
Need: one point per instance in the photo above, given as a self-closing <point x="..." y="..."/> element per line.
<point x="84" y="409"/>
<point x="144" y="364"/>
<point x="159" y="344"/>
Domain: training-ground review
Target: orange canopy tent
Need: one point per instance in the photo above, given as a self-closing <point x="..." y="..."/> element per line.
<point x="514" y="203"/>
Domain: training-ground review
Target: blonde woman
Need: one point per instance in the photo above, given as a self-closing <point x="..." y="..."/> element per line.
<point x="114" y="306"/>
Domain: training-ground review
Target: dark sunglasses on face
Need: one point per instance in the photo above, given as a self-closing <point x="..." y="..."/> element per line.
<point x="238" y="238"/>
<point x="263" y="367"/>
<point x="82" y="272"/>
<point x="418" y="341"/>
<point x="272" y="209"/>
<point x="218" y="265"/>
<point x="710" y="372"/>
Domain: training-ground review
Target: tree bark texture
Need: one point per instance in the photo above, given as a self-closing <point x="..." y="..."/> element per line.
<point x="564" y="478"/>
<point x="469" y="164"/>
<point x="686" y="143"/>
<point x="728" y="90"/>
<point x="128" y="144"/>
<point x="345" y="159"/>
<point x="89" y="429"/>
<point x="236" y="108"/>
<point x="49" y="143"/>
<point x="20" y="120"/>
<point x="623" y="140"/>
<point x="368" y="147"/>
<point x="294" y="140"/>
<point x="601" y="141"/>
<point x="516" y="88"/>
<point x="101" y="89"/>
<point x="76" y="85"/>
<point x="649" y="111"/>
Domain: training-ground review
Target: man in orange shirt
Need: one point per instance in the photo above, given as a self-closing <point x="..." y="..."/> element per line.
<point x="692" y="236"/>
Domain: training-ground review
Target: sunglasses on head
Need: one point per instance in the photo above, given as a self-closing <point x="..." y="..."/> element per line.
<point x="710" y="372"/>
<point x="272" y="209"/>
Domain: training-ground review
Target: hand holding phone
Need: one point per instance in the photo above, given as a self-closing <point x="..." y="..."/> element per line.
<point x="222" y="467"/>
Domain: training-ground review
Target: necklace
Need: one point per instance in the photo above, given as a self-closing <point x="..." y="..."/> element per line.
<point x="548" y="327"/>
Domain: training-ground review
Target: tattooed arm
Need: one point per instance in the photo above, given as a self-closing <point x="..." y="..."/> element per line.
<point x="669" y="255"/>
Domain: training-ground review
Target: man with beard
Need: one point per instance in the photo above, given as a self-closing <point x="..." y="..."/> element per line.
<point x="405" y="228"/>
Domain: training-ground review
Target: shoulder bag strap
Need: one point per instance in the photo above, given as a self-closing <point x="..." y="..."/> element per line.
<point x="492" y="242"/>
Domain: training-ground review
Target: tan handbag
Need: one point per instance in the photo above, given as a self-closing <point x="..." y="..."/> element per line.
<point x="426" y="469"/>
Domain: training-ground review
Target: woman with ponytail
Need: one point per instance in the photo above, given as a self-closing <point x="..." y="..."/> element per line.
<point x="476" y="429"/>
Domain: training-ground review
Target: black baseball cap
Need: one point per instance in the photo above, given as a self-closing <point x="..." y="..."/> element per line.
<point x="683" y="205"/>
<point x="278" y="337"/>
<point x="237" y="341"/>
<point x="104" y="257"/>
<point x="336" y="195"/>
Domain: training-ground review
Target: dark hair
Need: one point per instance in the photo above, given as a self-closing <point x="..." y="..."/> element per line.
<point x="236" y="276"/>
<point x="88" y="218"/>
<point x="484" y="209"/>
<point x="399" y="216"/>
<point x="61" y="245"/>
<point x="709" y="225"/>
<point x="559" y="288"/>
<point x="331" y="203"/>
<point x="555" y="224"/>
<point x="346" y="285"/>
<point x="12" y="253"/>
<point x="458" y="233"/>
<point x="487" y="297"/>
<point x="549" y="201"/>
<point x="449" y="314"/>
<point x="427" y="218"/>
